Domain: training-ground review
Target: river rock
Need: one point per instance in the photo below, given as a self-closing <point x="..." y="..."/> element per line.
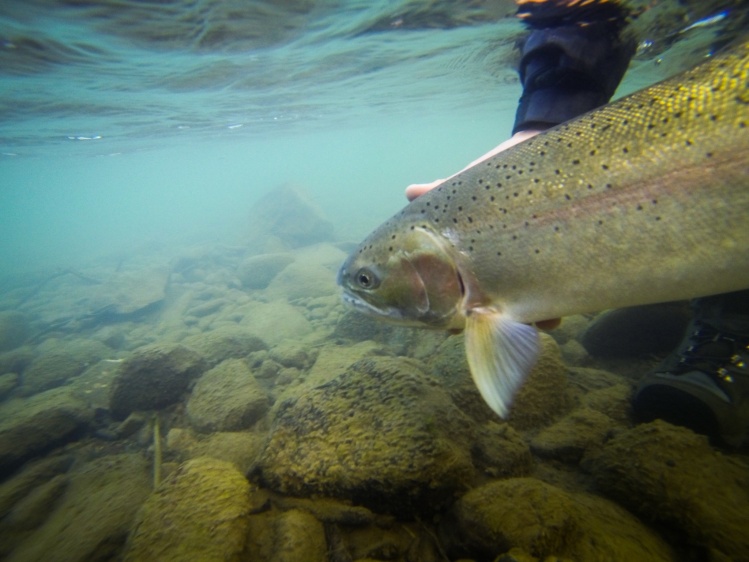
<point x="569" y="438"/>
<point x="199" y="512"/>
<point x="550" y="524"/>
<point x="303" y="280"/>
<point x="672" y="475"/>
<point x="31" y="426"/>
<point x="256" y="272"/>
<point x="153" y="377"/>
<point x="59" y="361"/>
<point x="14" y="329"/>
<point x="227" y="398"/>
<point x="637" y="331"/>
<point x="288" y="215"/>
<point x="225" y="342"/>
<point x="237" y="447"/>
<point x="299" y="536"/>
<point x="383" y="434"/>
<point x="91" y="519"/>
<point x="32" y="475"/>
<point x="275" y="321"/>
<point x="8" y="382"/>
<point x="128" y="292"/>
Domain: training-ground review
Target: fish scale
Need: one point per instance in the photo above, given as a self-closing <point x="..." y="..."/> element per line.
<point x="644" y="200"/>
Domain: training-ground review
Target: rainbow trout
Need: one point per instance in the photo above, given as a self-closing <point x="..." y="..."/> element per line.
<point x="644" y="200"/>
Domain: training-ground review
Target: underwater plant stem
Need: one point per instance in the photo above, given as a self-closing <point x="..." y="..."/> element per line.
<point x="156" y="452"/>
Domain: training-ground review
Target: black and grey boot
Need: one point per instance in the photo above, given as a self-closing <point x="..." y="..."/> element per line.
<point x="704" y="384"/>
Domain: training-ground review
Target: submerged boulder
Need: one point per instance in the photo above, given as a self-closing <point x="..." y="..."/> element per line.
<point x="672" y="475"/>
<point x="153" y="377"/>
<point x="227" y="398"/>
<point x="31" y="426"/>
<point x="200" y="512"/>
<point x="14" y="329"/>
<point x="550" y="523"/>
<point x="85" y="514"/>
<point x="383" y="433"/>
<point x="58" y="361"/>
<point x="288" y="215"/>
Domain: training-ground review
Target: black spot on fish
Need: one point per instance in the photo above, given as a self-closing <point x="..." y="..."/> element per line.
<point x="605" y="166"/>
<point x="688" y="142"/>
<point x="709" y="154"/>
<point x="593" y="152"/>
<point x="575" y="161"/>
<point x="491" y="198"/>
<point x="625" y="150"/>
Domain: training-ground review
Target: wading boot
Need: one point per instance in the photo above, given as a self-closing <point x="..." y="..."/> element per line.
<point x="704" y="384"/>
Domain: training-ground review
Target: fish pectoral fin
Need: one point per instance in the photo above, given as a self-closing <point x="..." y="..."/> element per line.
<point x="501" y="353"/>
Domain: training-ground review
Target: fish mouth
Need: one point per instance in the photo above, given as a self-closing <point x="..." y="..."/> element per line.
<point x="359" y="304"/>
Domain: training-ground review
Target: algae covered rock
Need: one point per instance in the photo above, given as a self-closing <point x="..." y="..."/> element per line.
<point x="199" y="512"/>
<point x="299" y="536"/>
<point x="225" y="342"/>
<point x="95" y="508"/>
<point x="153" y="377"/>
<point x="227" y="398"/>
<point x="59" y="361"/>
<point x="545" y="521"/>
<point x="275" y="321"/>
<point x="543" y="397"/>
<point x="382" y="433"/>
<point x="31" y="426"/>
<point x="569" y="438"/>
<point x="237" y="447"/>
<point x="672" y="475"/>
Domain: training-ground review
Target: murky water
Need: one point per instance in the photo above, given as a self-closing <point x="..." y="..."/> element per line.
<point x="179" y="182"/>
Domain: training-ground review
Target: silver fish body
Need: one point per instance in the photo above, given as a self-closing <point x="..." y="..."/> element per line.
<point x="644" y="200"/>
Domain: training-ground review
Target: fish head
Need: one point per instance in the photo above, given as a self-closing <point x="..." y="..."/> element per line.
<point x="405" y="275"/>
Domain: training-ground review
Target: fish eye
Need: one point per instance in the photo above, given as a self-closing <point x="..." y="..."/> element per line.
<point x="366" y="278"/>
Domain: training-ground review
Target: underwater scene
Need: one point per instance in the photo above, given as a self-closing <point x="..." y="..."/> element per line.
<point x="200" y="360"/>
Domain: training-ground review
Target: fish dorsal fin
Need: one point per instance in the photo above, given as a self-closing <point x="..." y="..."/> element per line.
<point x="501" y="353"/>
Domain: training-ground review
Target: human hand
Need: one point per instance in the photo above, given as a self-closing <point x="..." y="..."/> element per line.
<point x="417" y="189"/>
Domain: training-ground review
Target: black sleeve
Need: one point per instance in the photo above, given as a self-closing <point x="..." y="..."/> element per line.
<point x="572" y="60"/>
